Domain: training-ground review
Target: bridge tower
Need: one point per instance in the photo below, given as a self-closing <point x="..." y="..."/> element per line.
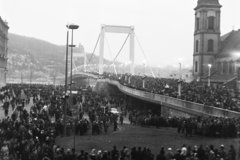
<point x="206" y="36"/>
<point x="116" y="29"/>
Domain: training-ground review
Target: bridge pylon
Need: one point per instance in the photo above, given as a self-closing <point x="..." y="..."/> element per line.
<point x="116" y="29"/>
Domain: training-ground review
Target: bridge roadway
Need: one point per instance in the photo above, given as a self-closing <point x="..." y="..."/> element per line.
<point x="173" y="103"/>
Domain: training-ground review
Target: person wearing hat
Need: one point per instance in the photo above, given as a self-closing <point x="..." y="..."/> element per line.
<point x="161" y="156"/>
<point x="222" y="153"/>
<point x="68" y="155"/>
<point x="169" y="155"/>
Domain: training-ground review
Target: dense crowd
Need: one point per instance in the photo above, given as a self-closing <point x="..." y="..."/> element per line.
<point x="195" y="91"/>
<point x="30" y="135"/>
<point x="206" y="126"/>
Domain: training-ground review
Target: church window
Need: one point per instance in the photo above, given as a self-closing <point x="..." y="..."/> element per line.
<point x="211" y="22"/>
<point x="210" y="45"/>
<point x="196" y="66"/>
<point x="197" y="23"/>
<point x="196" y="46"/>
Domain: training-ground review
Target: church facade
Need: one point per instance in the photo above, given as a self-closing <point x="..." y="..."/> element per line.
<point x="214" y="56"/>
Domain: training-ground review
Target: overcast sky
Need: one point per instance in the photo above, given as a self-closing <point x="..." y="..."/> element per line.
<point x="163" y="27"/>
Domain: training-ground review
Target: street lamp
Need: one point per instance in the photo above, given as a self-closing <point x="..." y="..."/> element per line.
<point x="209" y="73"/>
<point x="72" y="27"/>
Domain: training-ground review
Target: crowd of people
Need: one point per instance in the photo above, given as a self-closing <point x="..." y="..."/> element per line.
<point x="195" y="91"/>
<point x="206" y="126"/>
<point x="29" y="134"/>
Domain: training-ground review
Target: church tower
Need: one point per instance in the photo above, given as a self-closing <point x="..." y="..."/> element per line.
<point x="206" y="36"/>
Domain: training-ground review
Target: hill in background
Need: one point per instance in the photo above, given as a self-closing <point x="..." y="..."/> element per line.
<point x="26" y="54"/>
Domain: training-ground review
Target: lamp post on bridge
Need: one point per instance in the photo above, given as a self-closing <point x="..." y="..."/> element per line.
<point x="209" y="74"/>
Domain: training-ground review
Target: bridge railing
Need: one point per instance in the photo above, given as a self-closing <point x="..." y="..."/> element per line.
<point x="174" y="103"/>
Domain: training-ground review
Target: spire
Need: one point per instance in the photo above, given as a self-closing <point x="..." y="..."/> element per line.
<point x="210" y="3"/>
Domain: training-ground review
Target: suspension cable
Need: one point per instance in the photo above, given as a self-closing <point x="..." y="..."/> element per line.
<point x="144" y="55"/>
<point x="111" y="56"/>
<point x="121" y="47"/>
<point x="94" y="49"/>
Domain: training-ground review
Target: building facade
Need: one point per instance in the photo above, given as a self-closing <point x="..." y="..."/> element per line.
<point x="214" y="54"/>
<point x="3" y="51"/>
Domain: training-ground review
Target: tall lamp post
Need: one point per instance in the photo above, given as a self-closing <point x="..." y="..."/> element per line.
<point x="71" y="26"/>
<point x="209" y="74"/>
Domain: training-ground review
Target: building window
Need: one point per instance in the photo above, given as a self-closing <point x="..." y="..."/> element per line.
<point x="210" y="45"/>
<point x="196" y="66"/>
<point x="211" y="22"/>
<point x="196" y="46"/>
<point x="197" y="23"/>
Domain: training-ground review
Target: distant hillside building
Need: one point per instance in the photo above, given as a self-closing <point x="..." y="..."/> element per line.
<point x="3" y="51"/>
<point x="222" y="52"/>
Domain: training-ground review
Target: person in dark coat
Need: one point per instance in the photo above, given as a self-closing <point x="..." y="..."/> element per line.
<point x="161" y="156"/>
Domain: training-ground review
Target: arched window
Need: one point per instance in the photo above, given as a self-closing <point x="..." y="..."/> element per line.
<point x="196" y="66"/>
<point x="210" y="45"/>
<point x="211" y="22"/>
<point x="196" y="47"/>
<point x="197" y="23"/>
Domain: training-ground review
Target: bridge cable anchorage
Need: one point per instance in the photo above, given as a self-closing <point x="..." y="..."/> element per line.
<point x="94" y="49"/>
<point x="111" y="55"/>
<point x="144" y="55"/>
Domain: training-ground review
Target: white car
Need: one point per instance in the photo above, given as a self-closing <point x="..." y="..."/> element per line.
<point x="114" y="111"/>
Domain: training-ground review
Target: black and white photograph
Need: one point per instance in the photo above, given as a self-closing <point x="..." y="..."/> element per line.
<point x="119" y="80"/>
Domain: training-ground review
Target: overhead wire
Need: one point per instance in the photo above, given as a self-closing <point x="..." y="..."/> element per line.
<point x="111" y="55"/>
<point x="144" y="55"/>
<point x="121" y="47"/>
<point x="94" y="49"/>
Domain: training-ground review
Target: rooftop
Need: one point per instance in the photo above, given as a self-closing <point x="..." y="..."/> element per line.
<point x="230" y="44"/>
<point x="211" y="3"/>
